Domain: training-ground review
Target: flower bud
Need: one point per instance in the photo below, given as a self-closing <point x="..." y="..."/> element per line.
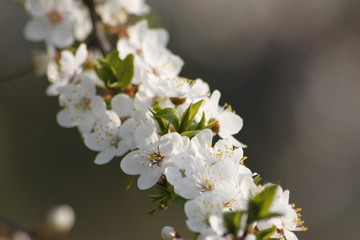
<point x="61" y="218"/>
<point x="168" y="233"/>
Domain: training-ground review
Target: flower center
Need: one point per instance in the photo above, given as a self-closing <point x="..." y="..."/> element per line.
<point x="55" y="16"/>
<point x="84" y="104"/>
<point x="155" y="158"/>
<point x="207" y="185"/>
<point x="115" y="140"/>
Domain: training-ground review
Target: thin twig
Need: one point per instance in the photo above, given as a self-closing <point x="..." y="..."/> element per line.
<point x="98" y="29"/>
<point x="15" y="76"/>
<point x="36" y="233"/>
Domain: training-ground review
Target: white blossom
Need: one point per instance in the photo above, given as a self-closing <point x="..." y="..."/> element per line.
<point x="111" y="137"/>
<point x="229" y="123"/>
<point x="81" y="106"/>
<point x="115" y="12"/>
<point x="152" y="156"/>
<point x="71" y="66"/>
<point x="54" y="21"/>
<point x="199" y="211"/>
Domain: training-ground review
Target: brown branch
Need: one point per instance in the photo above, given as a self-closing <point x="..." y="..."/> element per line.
<point x="41" y="233"/>
<point x="98" y="29"/>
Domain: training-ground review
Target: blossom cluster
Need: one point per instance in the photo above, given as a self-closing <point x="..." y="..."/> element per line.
<point x="132" y="103"/>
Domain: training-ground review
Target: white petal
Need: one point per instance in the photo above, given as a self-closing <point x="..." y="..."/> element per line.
<point x="98" y="106"/>
<point x="161" y="36"/>
<point x="127" y="129"/>
<point x="36" y="29"/>
<point x="130" y="163"/>
<point x="62" y="34"/>
<point x="138" y="32"/>
<point x="173" y="175"/>
<point x="145" y="135"/>
<point x="67" y="62"/>
<point x="105" y="156"/>
<point x="149" y="178"/>
<point x="65" y="120"/>
<point x="81" y="54"/>
<point x="233" y="140"/>
<point x="93" y="142"/>
<point x="36" y="8"/>
<point x="203" y="138"/>
<point x="122" y="148"/>
<point x="87" y="85"/>
<point x="122" y="104"/>
<point x="87" y="124"/>
<point x="230" y="123"/>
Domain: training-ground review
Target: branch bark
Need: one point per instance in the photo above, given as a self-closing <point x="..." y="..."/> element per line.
<point x="98" y="29"/>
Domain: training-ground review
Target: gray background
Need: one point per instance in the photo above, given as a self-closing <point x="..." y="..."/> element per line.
<point x="289" y="68"/>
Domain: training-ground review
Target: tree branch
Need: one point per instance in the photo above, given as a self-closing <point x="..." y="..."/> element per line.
<point x="98" y="29"/>
<point x="42" y="233"/>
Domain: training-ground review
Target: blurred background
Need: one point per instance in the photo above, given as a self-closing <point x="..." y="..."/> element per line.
<point x="289" y="68"/>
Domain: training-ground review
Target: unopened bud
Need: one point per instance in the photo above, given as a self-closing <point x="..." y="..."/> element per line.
<point x="61" y="218"/>
<point x="168" y="233"/>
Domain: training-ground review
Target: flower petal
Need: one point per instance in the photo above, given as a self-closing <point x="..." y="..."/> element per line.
<point x="130" y="163"/>
<point x="62" y="34"/>
<point x="37" y="29"/>
<point x="105" y="156"/>
<point x="93" y="142"/>
<point x="64" y="119"/>
<point x="122" y="104"/>
<point x="230" y="123"/>
<point x="149" y="178"/>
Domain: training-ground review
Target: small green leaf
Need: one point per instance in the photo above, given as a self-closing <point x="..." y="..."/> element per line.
<point x="124" y="70"/>
<point x="211" y="124"/>
<point x="189" y="115"/>
<point x="169" y="114"/>
<point x="259" y="206"/>
<point x="257" y="179"/>
<point x="129" y="181"/>
<point x="114" y="72"/>
<point x="196" y="236"/>
<point x="232" y="221"/>
<point x="190" y="134"/>
<point x="201" y="124"/>
<point x="266" y="233"/>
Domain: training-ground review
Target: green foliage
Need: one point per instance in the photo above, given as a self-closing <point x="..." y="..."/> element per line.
<point x="232" y="222"/>
<point x="166" y="195"/>
<point x="129" y="181"/>
<point x="185" y="125"/>
<point x="266" y="234"/>
<point x="189" y="115"/>
<point x="257" y="179"/>
<point x="114" y="72"/>
<point x="259" y="206"/>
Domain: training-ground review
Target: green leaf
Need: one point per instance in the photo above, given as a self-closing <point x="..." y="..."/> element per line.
<point x="162" y="122"/>
<point x="169" y="114"/>
<point x="257" y="179"/>
<point x="196" y="236"/>
<point x="190" y="134"/>
<point x="114" y="72"/>
<point x="201" y="124"/>
<point x="123" y="70"/>
<point x="129" y="181"/>
<point x="259" y="206"/>
<point x="105" y="74"/>
<point x="165" y="196"/>
<point x="232" y="221"/>
<point x="189" y="115"/>
<point x="211" y="124"/>
<point x="266" y="233"/>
